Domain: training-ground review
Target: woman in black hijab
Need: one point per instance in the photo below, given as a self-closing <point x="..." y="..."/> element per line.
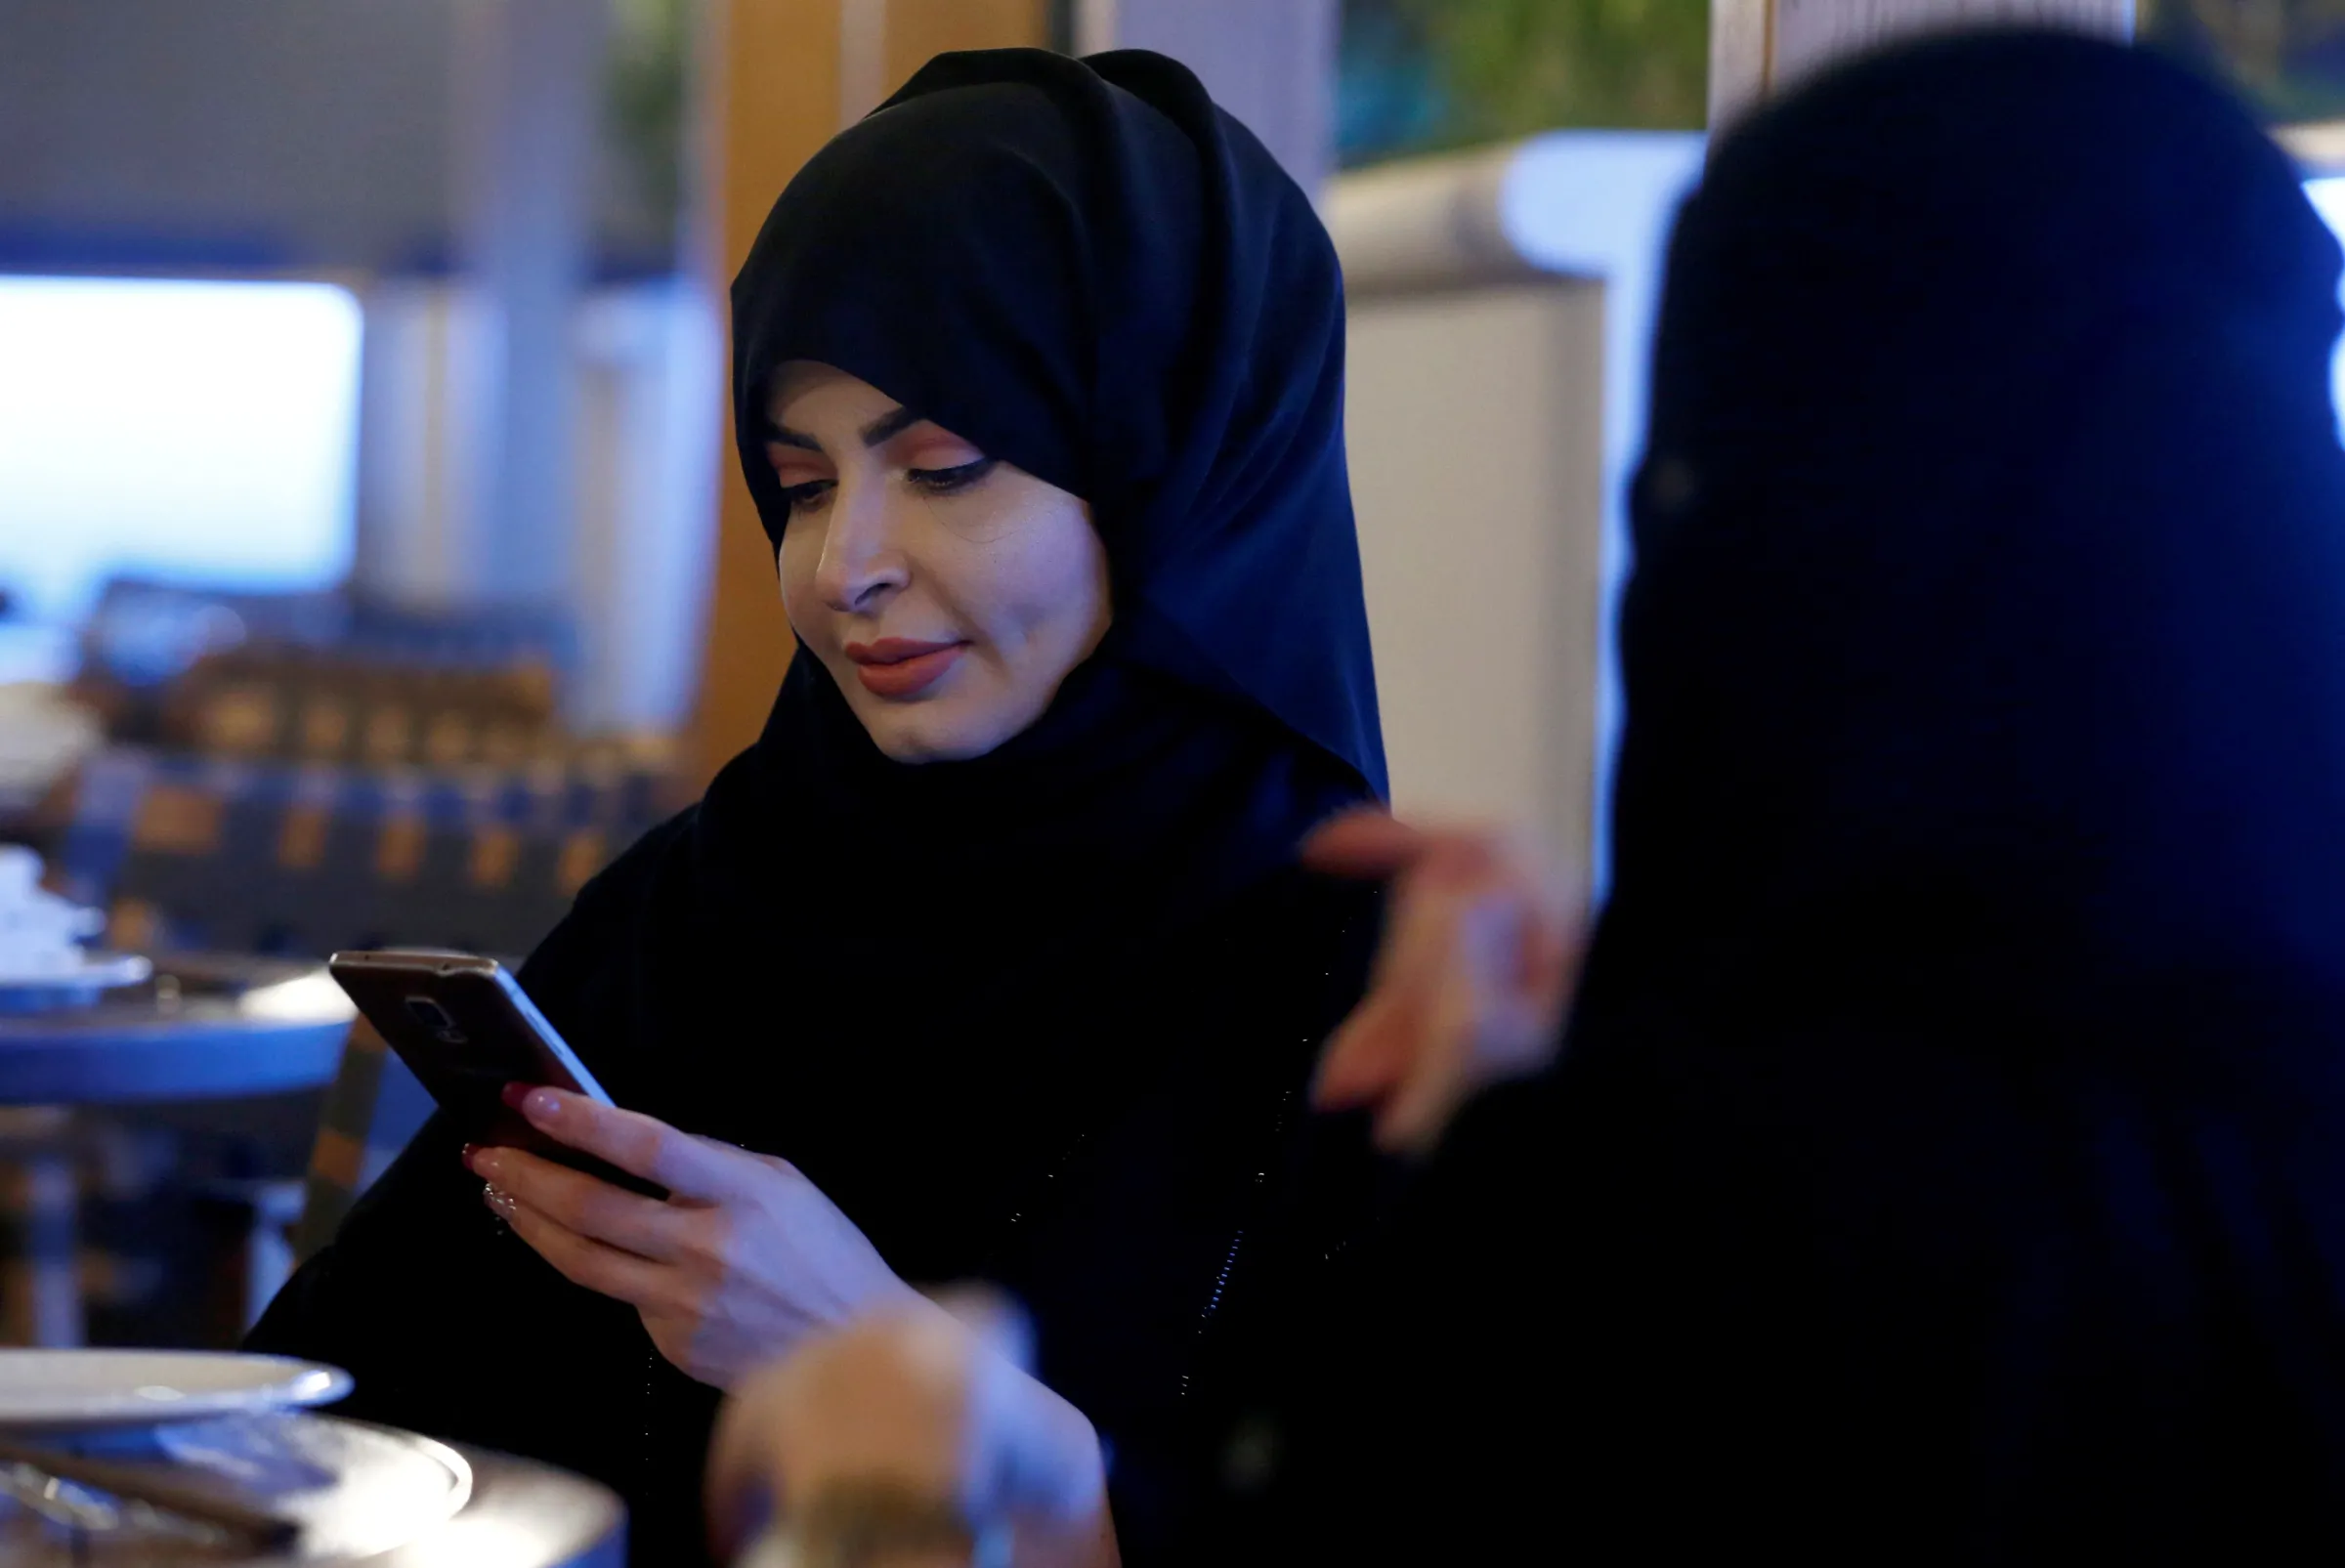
<point x="994" y="936"/>
<point x="1947" y="1159"/>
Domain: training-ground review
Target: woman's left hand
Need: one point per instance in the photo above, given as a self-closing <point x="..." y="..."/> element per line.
<point x="1483" y="937"/>
<point x="745" y="1258"/>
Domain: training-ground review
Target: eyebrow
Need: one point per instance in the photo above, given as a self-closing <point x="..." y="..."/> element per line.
<point x="881" y="430"/>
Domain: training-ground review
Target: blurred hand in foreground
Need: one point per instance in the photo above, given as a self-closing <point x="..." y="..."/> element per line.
<point x="1483" y="939"/>
<point x="913" y="1426"/>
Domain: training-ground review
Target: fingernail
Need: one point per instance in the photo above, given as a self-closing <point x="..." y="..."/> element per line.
<point x="541" y="1107"/>
<point x="499" y="1201"/>
<point x="470" y="1150"/>
<point x="514" y="1093"/>
<point x="486" y="1164"/>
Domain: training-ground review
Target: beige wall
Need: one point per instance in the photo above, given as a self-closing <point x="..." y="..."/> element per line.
<point x="1475" y="425"/>
<point x="1501" y="305"/>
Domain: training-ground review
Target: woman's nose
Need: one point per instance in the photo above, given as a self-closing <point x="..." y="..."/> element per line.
<point x="861" y="561"/>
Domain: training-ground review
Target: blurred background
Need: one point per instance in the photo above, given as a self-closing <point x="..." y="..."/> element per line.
<point x="372" y="565"/>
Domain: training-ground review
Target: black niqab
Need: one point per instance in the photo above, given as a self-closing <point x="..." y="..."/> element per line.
<point x="1948" y="1163"/>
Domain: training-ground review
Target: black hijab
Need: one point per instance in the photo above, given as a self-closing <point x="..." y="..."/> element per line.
<point x="1087" y="268"/>
<point x="1948" y="1163"/>
<point x="1089" y="271"/>
<point x="1985" y="546"/>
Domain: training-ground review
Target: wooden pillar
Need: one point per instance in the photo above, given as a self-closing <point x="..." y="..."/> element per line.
<point x="782" y="76"/>
<point x="1759" y="47"/>
<point x="771" y="93"/>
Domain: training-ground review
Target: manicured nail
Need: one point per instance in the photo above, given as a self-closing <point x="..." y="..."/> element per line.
<point x="486" y="1164"/>
<point x="499" y="1201"/>
<point x="514" y="1093"/>
<point x="541" y="1107"/>
<point x="470" y="1150"/>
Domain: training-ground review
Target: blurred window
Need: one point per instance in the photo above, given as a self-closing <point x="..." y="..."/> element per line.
<point x="194" y="432"/>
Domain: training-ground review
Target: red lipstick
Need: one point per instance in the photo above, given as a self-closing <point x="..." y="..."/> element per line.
<point x="899" y="667"/>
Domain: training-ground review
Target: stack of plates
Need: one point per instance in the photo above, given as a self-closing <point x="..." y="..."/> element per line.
<point x="87" y="1435"/>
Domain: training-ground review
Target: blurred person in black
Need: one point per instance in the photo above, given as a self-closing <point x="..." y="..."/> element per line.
<point x="991" y="957"/>
<point x="1946" y="1158"/>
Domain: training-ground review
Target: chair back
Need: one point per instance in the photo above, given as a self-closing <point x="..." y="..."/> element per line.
<point x="372" y="1110"/>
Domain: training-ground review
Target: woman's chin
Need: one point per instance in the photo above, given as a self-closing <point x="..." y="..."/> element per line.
<point x="935" y="731"/>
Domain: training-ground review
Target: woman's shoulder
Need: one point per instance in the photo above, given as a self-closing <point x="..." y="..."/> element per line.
<point x="1304" y="936"/>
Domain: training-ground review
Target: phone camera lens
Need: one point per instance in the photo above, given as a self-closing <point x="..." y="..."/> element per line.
<point x="431" y="1015"/>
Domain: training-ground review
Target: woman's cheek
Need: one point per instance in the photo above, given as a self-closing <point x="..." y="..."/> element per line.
<point x="798" y="583"/>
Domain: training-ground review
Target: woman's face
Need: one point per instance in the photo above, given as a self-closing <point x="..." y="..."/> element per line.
<point x="946" y="592"/>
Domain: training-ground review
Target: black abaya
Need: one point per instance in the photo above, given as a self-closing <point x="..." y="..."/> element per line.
<point x="1084" y="1082"/>
<point x="1947" y="1159"/>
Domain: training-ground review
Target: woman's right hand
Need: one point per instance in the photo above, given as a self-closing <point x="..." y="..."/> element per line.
<point x="1482" y="943"/>
<point x="923" y="1403"/>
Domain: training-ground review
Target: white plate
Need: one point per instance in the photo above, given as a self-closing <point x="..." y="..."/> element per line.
<point x="95" y="972"/>
<point x="60" y="1390"/>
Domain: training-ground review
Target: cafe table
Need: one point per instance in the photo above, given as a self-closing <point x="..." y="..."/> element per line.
<point x="199" y="1028"/>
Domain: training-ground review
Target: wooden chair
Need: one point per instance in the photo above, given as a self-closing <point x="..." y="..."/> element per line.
<point x="519" y="859"/>
<point x="335" y="707"/>
<point x="372" y="1108"/>
<point x="302" y="859"/>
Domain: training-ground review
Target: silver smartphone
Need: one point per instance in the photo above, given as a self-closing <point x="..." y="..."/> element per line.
<point x="466" y="1031"/>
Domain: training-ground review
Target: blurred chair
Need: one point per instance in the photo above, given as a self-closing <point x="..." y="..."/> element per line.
<point x="300" y="859"/>
<point x="145" y="640"/>
<point x="40" y="1291"/>
<point x="290" y="775"/>
<point x="142" y="636"/>
<point x="471" y="637"/>
<point x="374" y="1107"/>
<point x="288" y="703"/>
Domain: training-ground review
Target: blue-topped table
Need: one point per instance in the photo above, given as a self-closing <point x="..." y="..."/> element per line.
<point x="200" y="1029"/>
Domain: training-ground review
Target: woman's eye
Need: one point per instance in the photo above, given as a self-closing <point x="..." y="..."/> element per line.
<point x="802" y="497"/>
<point x="945" y="481"/>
